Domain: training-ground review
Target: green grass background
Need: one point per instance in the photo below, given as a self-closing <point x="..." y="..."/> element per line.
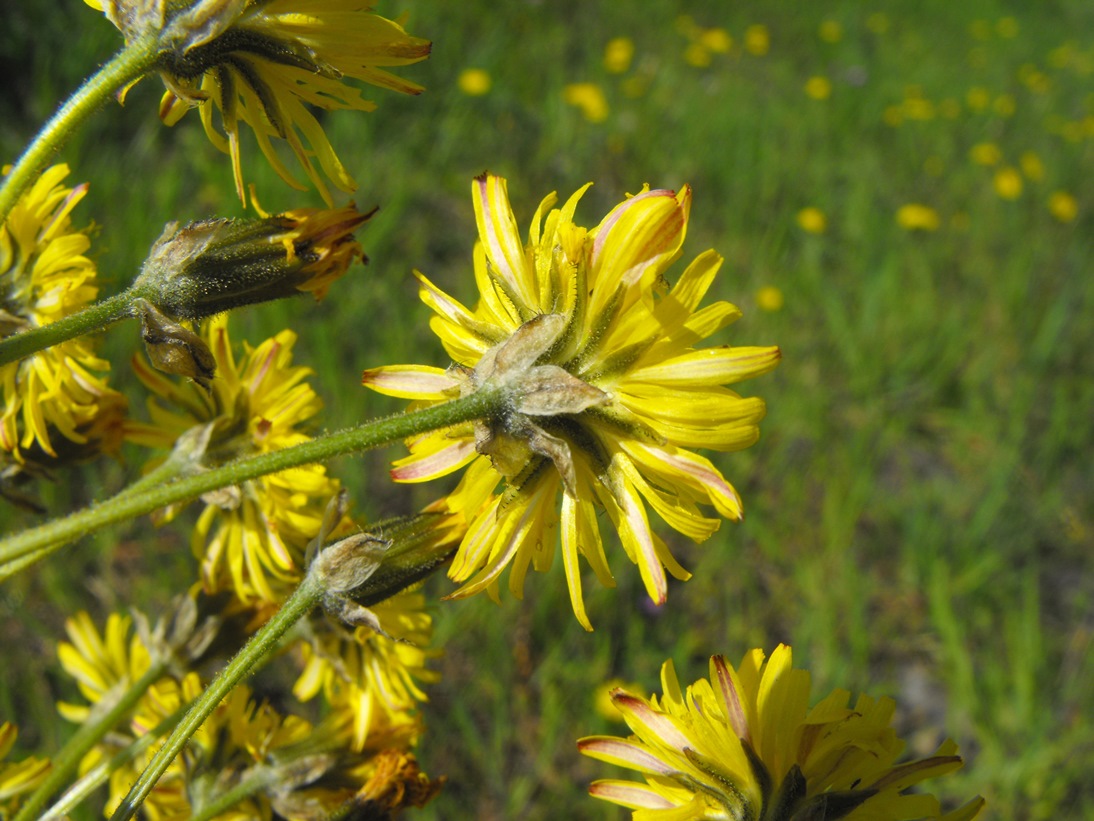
<point x="919" y="518"/>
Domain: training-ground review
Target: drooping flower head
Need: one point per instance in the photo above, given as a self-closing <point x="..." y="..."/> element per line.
<point x="250" y="538"/>
<point x="746" y="745"/>
<point x="55" y="405"/>
<point x="611" y="392"/>
<point x="267" y="63"/>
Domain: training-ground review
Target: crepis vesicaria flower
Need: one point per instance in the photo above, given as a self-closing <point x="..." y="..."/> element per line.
<point x="250" y="538"/>
<point x="55" y="406"/>
<point x="266" y="63"/>
<point x="746" y="745"/>
<point x="17" y="778"/>
<point x="611" y="392"/>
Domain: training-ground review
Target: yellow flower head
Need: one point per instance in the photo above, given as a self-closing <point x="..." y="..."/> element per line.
<point x="250" y="538"/>
<point x="266" y="63"/>
<point x="613" y="393"/>
<point x="917" y="217"/>
<point x="812" y="220"/>
<point x="745" y="744"/>
<point x="618" y="54"/>
<point x="474" y="82"/>
<point x="589" y="97"/>
<point x="1008" y="183"/>
<point x="757" y="40"/>
<point x="54" y="406"/>
<point x="362" y="672"/>
<point x="17" y="778"/>
<point x="1063" y="206"/>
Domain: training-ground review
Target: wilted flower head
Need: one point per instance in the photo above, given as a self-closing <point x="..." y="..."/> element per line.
<point x="212" y="266"/>
<point x="55" y="407"/>
<point x="745" y="744"/>
<point x="266" y="63"/>
<point x="608" y="392"/>
<point x="250" y="538"/>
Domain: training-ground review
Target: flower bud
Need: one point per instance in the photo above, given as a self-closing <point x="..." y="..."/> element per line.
<point x="212" y="266"/>
<point x="172" y="348"/>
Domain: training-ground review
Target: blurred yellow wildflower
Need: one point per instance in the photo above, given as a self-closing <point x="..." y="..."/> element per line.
<point x="1007" y="27"/>
<point x="618" y="54"/>
<point x="917" y="108"/>
<point x="1032" y="166"/>
<point x="250" y="538"/>
<point x="812" y="219"/>
<point x="362" y="672"/>
<point x="1004" y="105"/>
<point x="917" y="217"/>
<point x="698" y="55"/>
<point x="265" y="63"/>
<point x="757" y="40"/>
<point x="17" y="778"/>
<point x="1008" y="183"/>
<point x="877" y="22"/>
<point x="717" y="40"/>
<point x="978" y="98"/>
<point x="1063" y="206"/>
<point x="985" y="154"/>
<point x="613" y="392"/>
<point x="55" y="407"/>
<point x="589" y="97"/>
<point x="819" y="88"/>
<point x="770" y="298"/>
<point x="474" y="82"/>
<point x="830" y="31"/>
<point x="745" y="744"/>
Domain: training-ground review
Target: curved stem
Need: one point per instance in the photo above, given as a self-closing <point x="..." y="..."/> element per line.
<point x="69" y="757"/>
<point x="45" y="539"/>
<point x="91" y="319"/>
<point x="128" y="65"/>
<point x="299" y="604"/>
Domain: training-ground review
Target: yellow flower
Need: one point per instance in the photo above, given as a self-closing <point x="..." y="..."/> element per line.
<point x="812" y="220"/>
<point x="917" y="217"/>
<point x="474" y="82"/>
<point x="613" y="393"/>
<point x="830" y="31"/>
<point x="757" y="40"/>
<point x="978" y="98"/>
<point x="618" y="54"/>
<point x="589" y="97"/>
<point x="986" y="154"/>
<point x="1063" y="206"/>
<point x="1032" y="166"/>
<point x="698" y="55"/>
<point x="716" y="40"/>
<point x="104" y="665"/>
<point x="819" y="88"/>
<point x="250" y="538"/>
<point x="361" y="671"/>
<point x="55" y="407"/>
<point x="17" y="778"/>
<point x="1004" y="105"/>
<point x="770" y="299"/>
<point x="745" y="744"/>
<point x="266" y="63"/>
<point x="1008" y="183"/>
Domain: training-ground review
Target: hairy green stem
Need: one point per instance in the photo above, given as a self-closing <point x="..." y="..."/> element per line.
<point x="257" y="779"/>
<point x="128" y="65"/>
<point x="93" y="318"/>
<point x="261" y="644"/>
<point x="45" y="539"/>
<point x="69" y="757"/>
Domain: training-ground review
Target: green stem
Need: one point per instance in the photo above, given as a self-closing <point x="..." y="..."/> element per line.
<point x="45" y="539"/>
<point x="261" y="644"/>
<point x="127" y="66"/>
<point x="97" y="775"/>
<point x="257" y="779"/>
<point x="91" y="319"/>
<point x="69" y="757"/>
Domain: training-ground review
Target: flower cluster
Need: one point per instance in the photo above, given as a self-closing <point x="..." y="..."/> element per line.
<point x="57" y="404"/>
<point x="746" y="744"/>
<point x="610" y="392"/>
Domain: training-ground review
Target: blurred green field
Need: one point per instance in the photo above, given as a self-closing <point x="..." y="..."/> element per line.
<point x="919" y="515"/>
